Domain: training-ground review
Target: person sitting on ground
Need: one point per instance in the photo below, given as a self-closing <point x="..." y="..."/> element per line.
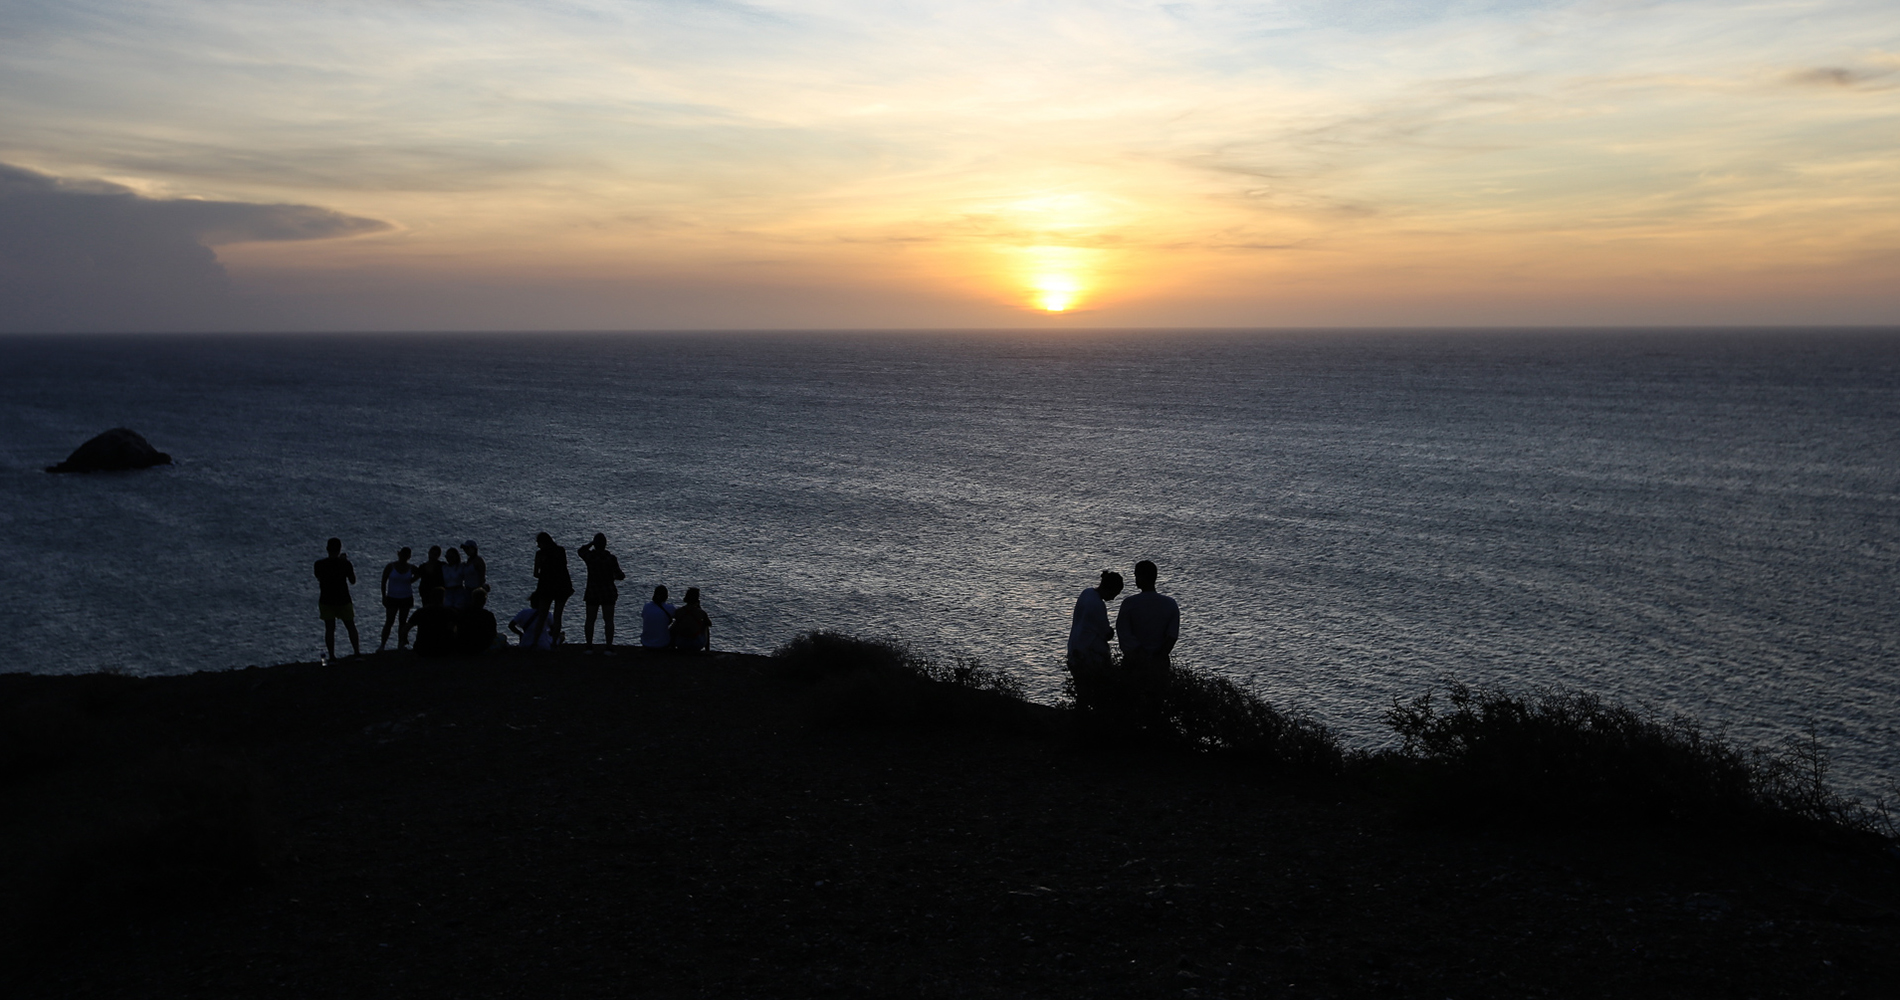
<point x="534" y="624"/>
<point x="1089" y="633"/>
<point x="334" y="576"/>
<point x="454" y="591"/>
<point x="475" y="624"/>
<point x="399" y="599"/>
<point x="434" y="625"/>
<point x="692" y="630"/>
<point x="656" y="621"/>
<point x="1148" y="626"/>
<point x="603" y="568"/>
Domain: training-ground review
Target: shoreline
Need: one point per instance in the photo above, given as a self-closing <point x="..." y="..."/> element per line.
<point x="589" y="825"/>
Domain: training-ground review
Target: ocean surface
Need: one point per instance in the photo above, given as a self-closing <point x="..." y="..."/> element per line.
<point x="1701" y="522"/>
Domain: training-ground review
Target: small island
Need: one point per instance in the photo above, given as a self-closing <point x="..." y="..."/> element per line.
<point x="624" y="823"/>
<point x="120" y="449"/>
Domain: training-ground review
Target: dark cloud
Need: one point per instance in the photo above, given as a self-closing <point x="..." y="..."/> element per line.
<point x="88" y="255"/>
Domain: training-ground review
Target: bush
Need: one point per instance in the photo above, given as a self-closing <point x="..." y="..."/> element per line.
<point x="870" y="682"/>
<point x="1214" y="715"/>
<point x="1570" y="756"/>
<point x="1203" y="713"/>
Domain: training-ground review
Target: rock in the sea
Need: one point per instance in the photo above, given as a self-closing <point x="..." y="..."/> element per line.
<point x="117" y="449"/>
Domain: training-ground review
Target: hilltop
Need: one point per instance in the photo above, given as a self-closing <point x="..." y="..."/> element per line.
<point x="658" y="825"/>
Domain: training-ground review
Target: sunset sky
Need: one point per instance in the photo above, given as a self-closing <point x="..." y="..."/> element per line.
<point x="834" y="163"/>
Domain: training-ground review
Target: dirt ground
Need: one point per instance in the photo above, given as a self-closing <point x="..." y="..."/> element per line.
<point x="578" y="825"/>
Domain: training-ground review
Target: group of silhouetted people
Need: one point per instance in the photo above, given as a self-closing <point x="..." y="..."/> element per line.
<point x="1126" y="693"/>
<point x="454" y="617"/>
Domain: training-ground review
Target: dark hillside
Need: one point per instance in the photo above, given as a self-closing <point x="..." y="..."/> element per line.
<point x="576" y="825"/>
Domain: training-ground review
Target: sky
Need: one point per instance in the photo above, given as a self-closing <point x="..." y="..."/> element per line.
<point x="436" y="165"/>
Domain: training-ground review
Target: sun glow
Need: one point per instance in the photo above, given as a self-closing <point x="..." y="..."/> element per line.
<point x="1056" y="292"/>
<point x="1057" y="277"/>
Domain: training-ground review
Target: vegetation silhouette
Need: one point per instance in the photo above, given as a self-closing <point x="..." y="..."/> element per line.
<point x="1559" y="756"/>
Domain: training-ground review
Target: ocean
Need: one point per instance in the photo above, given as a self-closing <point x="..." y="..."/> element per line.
<point x="1701" y="522"/>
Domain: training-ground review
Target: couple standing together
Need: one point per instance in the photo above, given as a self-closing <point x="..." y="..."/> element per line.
<point x="1147" y="626"/>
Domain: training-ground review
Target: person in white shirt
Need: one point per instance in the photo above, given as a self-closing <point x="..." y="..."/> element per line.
<point x="656" y="621"/>
<point x="1089" y="630"/>
<point x="534" y="624"/>
<point x="1089" y="633"/>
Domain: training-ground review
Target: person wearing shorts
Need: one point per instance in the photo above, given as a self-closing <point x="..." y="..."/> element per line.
<point x="603" y="569"/>
<point x="399" y="598"/>
<point x="334" y="576"/>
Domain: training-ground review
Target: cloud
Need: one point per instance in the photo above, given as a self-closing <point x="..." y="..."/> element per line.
<point x="90" y="255"/>
<point x="1834" y="76"/>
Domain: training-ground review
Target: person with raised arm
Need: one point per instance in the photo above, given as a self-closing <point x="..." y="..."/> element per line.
<point x="656" y="621"/>
<point x="334" y="576"/>
<point x="399" y="598"/>
<point x="603" y="568"/>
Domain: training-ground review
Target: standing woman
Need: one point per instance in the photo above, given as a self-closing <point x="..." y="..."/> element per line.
<point x="454" y="581"/>
<point x="603" y="568"/>
<point x="399" y="597"/>
<point x="550" y="568"/>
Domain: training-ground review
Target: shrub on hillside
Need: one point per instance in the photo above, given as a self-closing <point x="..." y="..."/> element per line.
<point x="1570" y="756"/>
<point x="1204" y="713"/>
<point x="1212" y="714"/>
<point x="872" y="682"/>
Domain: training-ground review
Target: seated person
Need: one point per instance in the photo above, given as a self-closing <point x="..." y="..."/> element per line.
<point x="692" y="630"/>
<point x="475" y="625"/>
<point x="533" y="624"/>
<point x="434" y="625"/>
<point x="656" y="621"/>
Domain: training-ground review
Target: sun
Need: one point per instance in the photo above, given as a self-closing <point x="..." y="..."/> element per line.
<point x="1056" y="292"/>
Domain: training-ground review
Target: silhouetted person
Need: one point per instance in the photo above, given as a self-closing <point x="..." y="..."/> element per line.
<point x="550" y="569"/>
<point x="334" y="576"/>
<point x="1148" y="626"/>
<point x="475" y="624"/>
<point x="656" y="621"/>
<point x="692" y="630"/>
<point x="474" y="568"/>
<point x="399" y="579"/>
<point x="434" y="625"/>
<point x="1089" y="633"/>
<point x="454" y="589"/>
<point x="429" y="575"/>
<point x="603" y="568"/>
<point x="533" y="624"/>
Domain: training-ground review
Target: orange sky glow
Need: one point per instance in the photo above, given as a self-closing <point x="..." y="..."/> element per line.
<point x="602" y="165"/>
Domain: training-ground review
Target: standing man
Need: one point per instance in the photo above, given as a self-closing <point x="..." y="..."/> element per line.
<point x="1089" y="633"/>
<point x="475" y="569"/>
<point x="334" y="576"/>
<point x="1148" y="625"/>
<point x="603" y="568"/>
